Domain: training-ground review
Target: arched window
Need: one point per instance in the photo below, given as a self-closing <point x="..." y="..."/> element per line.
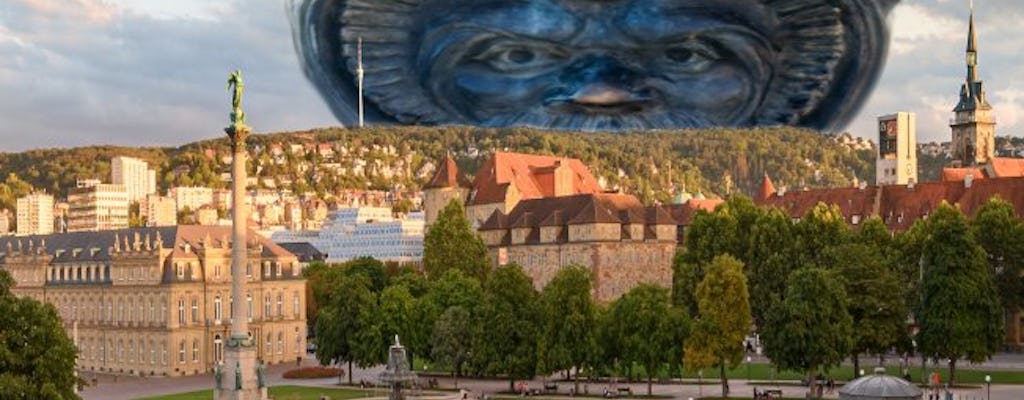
<point x="280" y="342"/>
<point x="295" y="304"/>
<point x="142" y="352"/>
<point x="195" y="350"/>
<point x="120" y="351"/>
<point x="195" y="310"/>
<point x="248" y="303"/>
<point x="152" y="353"/>
<point x="181" y="352"/>
<point x="218" y="348"/>
<point x="270" y="344"/>
<point x="280" y="305"/>
<point x="266" y="306"/>
<point x="131" y="351"/>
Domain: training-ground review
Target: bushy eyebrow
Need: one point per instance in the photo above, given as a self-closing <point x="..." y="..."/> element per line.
<point x="661" y="20"/>
<point x="539" y="20"/>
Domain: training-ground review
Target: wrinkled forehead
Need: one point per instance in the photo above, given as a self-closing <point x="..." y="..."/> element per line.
<point x="560" y="19"/>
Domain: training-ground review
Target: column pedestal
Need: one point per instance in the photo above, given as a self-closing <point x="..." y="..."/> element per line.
<point x="244" y="357"/>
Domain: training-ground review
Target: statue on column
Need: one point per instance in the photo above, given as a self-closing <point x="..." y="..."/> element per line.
<point x="238" y="376"/>
<point x="235" y="81"/>
<point x="261" y="372"/>
<point x="218" y="375"/>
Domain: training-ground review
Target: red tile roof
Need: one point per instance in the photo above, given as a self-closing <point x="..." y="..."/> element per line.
<point x="530" y="174"/>
<point x="683" y="214"/>
<point x="959" y="174"/>
<point x="447" y="175"/>
<point x="767" y="188"/>
<point x="900" y="205"/>
<point x="1008" y="167"/>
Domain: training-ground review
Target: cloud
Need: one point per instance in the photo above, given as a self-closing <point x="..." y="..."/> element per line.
<point x="90" y="72"/>
<point x="152" y="72"/>
<point x="926" y="65"/>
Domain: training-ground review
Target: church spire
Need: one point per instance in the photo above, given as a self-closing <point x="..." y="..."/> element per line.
<point x="972" y="50"/>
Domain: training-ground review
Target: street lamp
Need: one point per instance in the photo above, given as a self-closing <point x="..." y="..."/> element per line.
<point x="748" y="369"/>
<point x="988" y="387"/>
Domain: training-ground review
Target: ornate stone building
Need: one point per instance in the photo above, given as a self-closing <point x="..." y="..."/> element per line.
<point x="503" y="181"/>
<point x="156" y="301"/>
<point x="622" y="242"/>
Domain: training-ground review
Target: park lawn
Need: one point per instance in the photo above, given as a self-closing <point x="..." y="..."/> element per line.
<point x="279" y="393"/>
<point x="764" y="373"/>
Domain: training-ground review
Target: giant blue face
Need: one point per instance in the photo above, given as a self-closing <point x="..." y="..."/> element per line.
<point x="597" y="64"/>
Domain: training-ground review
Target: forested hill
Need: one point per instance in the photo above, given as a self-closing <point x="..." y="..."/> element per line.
<point x="652" y="165"/>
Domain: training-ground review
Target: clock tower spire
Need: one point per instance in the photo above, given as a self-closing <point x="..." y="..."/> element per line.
<point x="973" y="127"/>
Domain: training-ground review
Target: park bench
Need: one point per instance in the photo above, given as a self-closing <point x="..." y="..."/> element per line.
<point x="625" y="391"/>
<point x="550" y="387"/>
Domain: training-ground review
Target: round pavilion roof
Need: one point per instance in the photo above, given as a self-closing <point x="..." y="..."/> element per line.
<point x="879" y="386"/>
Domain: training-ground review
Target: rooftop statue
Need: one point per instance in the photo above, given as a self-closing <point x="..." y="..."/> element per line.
<point x="595" y="64"/>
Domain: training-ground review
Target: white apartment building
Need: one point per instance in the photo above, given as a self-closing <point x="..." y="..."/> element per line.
<point x="98" y="208"/>
<point x="35" y="214"/>
<point x="191" y="197"/>
<point x="135" y="175"/>
<point x="159" y="211"/>
<point x="350" y="233"/>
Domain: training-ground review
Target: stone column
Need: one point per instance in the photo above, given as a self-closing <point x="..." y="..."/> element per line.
<point x="240" y="367"/>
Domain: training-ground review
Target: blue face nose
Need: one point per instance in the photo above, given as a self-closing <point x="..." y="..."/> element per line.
<point x="600" y="81"/>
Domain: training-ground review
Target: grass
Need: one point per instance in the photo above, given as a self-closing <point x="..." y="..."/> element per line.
<point x="279" y="393"/>
<point x="763" y="372"/>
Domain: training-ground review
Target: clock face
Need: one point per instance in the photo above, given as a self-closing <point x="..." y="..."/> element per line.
<point x="972" y="58"/>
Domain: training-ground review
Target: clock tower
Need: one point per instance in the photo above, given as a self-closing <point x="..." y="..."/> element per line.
<point x="973" y="125"/>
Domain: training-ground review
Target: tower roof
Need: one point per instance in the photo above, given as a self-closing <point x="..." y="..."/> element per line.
<point x="972" y="93"/>
<point x="447" y="175"/>
<point x="767" y="188"/>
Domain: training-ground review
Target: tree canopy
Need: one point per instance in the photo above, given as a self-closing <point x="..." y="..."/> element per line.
<point x="37" y="358"/>
<point x="959" y="313"/>
<point x="568" y="321"/>
<point x="723" y="319"/>
<point x="451" y="243"/>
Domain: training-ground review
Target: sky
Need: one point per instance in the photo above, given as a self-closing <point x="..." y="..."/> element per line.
<point x="152" y="72"/>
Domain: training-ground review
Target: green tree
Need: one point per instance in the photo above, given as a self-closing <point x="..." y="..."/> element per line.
<point x="998" y="229"/>
<point x="452" y="289"/>
<point x="723" y="319"/>
<point x="771" y="259"/>
<point x="508" y="316"/>
<point x="568" y="322"/>
<point x="874" y="298"/>
<point x="822" y="227"/>
<point x="649" y="329"/>
<point x="810" y="329"/>
<point x="347" y="327"/>
<point x="397" y="317"/>
<point x="371" y="268"/>
<point x="959" y="314"/>
<point x="37" y="359"/>
<point x="135" y="218"/>
<point x="453" y="339"/>
<point x="451" y="243"/>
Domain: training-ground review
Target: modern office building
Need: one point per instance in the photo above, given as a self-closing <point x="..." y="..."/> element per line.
<point x="35" y="214"/>
<point x="350" y="233"/>
<point x="136" y="176"/>
<point x="98" y="208"/>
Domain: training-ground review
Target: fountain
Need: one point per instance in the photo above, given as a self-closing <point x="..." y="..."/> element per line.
<point x="398" y="373"/>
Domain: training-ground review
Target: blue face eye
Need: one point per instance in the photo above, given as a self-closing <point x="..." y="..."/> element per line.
<point x="690" y="57"/>
<point x="516" y="58"/>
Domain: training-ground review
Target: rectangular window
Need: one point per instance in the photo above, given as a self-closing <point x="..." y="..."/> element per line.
<point x="181" y="312"/>
<point x="195" y="310"/>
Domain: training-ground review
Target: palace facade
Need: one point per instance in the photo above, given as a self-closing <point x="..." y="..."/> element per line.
<point x="157" y="301"/>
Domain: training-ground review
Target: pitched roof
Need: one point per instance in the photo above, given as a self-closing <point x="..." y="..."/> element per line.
<point x="900" y="205"/>
<point x="683" y="214"/>
<point x="529" y="174"/>
<point x="97" y="246"/>
<point x="951" y="174"/>
<point x="447" y="175"/>
<point x="767" y="188"/>
<point x="1004" y="167"/>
